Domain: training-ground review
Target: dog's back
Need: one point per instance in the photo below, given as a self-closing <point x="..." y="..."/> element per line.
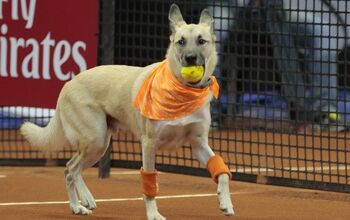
<point x="101" y="92"/>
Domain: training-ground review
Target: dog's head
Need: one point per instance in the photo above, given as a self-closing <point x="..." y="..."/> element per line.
<point x="191" y="44"/>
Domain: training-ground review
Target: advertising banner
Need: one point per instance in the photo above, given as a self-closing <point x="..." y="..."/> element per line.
<point x="43" y="44"/>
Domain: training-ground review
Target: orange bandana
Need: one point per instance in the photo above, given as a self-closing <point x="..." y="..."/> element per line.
<point x="163" y="97"/>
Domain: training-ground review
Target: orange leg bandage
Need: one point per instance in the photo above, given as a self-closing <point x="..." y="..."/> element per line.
<point x="149" y="183"/>
<point x="216" y="166"/>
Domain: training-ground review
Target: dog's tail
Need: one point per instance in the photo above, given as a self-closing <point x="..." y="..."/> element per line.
<point x="49" y="138"/>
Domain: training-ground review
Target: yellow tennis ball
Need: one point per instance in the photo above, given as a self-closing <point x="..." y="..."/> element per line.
<point x="334" y="116"/>
<point x="192" y="74"/>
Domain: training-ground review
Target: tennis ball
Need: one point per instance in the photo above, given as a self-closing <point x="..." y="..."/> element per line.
<point x="192" y="74"/>
<point x="334" y="116"/>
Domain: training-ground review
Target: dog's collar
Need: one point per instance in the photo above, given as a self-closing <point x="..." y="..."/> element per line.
<point x="209" y="82"/>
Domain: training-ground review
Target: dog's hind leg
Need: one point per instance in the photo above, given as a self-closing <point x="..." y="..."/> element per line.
<point x="86" y="197"/>
<point x="71" y="173"/>
<point x="85" y="127"/>
<point x="204" y="154"/>
<point x="89" y="151"/>
<point x="148" y="162"/>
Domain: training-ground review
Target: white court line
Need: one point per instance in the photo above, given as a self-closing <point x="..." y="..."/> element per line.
<point x="118" y="199"/>
<point x="310" y="168"/>
<point x="3" y="176"/>
<point x="129" y="172"/>
<point x="323" y="168"/>
<point x="255" y="170"/>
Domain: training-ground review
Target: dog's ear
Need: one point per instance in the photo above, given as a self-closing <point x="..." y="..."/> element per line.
<point x="207" y="19"/>
<point x="175" y="18"/>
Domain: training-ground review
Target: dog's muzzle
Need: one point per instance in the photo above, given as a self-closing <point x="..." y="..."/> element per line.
<point x="192" y="59"/>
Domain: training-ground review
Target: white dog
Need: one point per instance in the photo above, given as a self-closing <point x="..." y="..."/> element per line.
<point x="155" y="103"/>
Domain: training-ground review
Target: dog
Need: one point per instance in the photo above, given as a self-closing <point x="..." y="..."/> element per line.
<point x="102" y="100"/>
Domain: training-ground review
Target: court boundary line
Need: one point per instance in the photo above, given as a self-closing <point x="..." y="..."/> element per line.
<point x="181" y="196"/>
<point x="262" y="169"/>
<point x="132" y="172"/>
<point x="293" y="169"/>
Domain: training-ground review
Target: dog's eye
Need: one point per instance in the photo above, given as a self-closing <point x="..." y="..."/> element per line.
<point x="201" y="41"/>
<point x="181" y="42"/>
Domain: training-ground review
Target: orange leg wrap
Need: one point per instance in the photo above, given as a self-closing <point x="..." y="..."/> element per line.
<point x="149" y="183"/>
<point x="216" y="166"/>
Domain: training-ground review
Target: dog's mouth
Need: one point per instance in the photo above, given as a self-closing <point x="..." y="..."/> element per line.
<point x="193" y="77"/>
<point x="198" y="82"/>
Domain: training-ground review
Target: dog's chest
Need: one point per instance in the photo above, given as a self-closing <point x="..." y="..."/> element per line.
<point x="173" y="134"/>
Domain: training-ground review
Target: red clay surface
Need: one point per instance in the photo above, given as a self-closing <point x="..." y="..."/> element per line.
<point x="251" y="201"/>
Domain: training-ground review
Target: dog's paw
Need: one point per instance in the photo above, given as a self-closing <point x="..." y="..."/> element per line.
<point x="155" y="216"/>
<point x="225" y="204"/>
<point x="89" y="204"/>
<point x="224" y="196"/>
<point x="227" y="209"/>
<point x="80" y="210"/>
<point x="151" y="209"/>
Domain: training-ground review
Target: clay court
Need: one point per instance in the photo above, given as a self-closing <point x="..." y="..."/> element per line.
<point x="263" y="140"/>
<point x="39" y="193"/>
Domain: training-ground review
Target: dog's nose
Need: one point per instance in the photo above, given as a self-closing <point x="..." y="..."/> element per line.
<point x="191" y="59"/>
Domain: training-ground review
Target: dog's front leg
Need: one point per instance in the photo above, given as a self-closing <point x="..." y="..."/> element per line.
<point x="149" y="178"/>
<point x="224" y="194"/>
<point x="218" y="171"/>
